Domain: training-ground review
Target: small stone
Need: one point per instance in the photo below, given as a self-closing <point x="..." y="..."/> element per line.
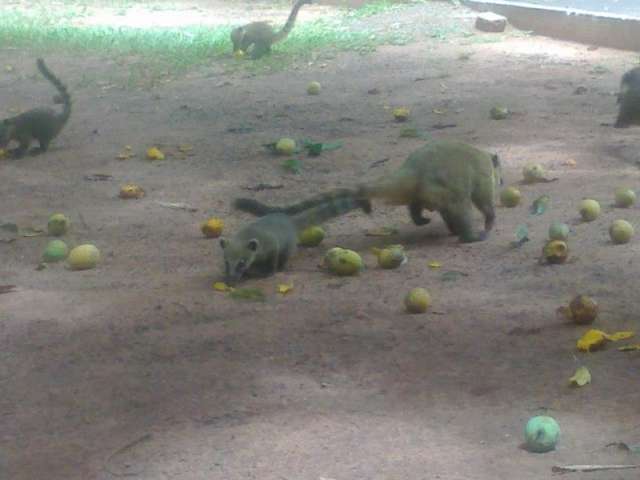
<point x="491" y="22"/>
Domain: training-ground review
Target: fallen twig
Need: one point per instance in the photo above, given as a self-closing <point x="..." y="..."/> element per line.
<point x="122" y="450"/>
<point x="590" y="468"/>
<point x="263" y="186"/>
<point x="178" y="206"/>
<point x="378" y="162"/>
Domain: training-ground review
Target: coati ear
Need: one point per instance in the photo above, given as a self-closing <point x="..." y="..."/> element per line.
<point x="253" y="244"/>
<point x="224" y="243"/>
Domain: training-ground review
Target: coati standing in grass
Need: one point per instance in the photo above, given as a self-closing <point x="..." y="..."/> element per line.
<point x="264" y="246"/>
<point x="446" y="176"/>
<point x="261" y="35"/>
<point x="41" y="124"/>
<point x="629" y="99"/>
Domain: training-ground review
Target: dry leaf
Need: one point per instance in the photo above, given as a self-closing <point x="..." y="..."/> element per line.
<point x="3" y="153"/>
<point x="596" y="338"/>
<point x="614" y="337"/>
<point x="592" y="340"/>
<point x="178" y="206"/>
<point x="635" y="347"/>
<point x="126" y="155"/>
<point x="221" y="287"/>
<point x="570" y="163"/>
<point x="285" y="288"/>
<point x="131" y="190"/>
<point x="155" y="154"/>
<point x="439" y="111"/>
<point x="581" y="377"/>
<point x="434" y="265"/>
<point x="185" y="148"/>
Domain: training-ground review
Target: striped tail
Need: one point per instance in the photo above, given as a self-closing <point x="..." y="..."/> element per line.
<point x="260" y="209"/>
<point x="333" y="206"/>
<point x="282" y="34"/>
<point x="64" y="96"/>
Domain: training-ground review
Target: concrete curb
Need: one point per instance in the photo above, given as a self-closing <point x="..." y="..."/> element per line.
<point x="606" y="30"/>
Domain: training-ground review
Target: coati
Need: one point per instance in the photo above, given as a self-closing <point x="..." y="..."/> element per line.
<point x="629" y="99"/>
<point x="261" y="35"/>
<point x="41" y="124"/>
<point x="337" y="195"/>
<point x="446" y="176"/>
<point x="264" y="246"/>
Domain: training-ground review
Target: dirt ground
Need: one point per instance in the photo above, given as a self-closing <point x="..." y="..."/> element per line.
<point x="138" y="369"/>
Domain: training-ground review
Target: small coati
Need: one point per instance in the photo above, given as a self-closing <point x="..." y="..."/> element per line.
<point x="629" y="99"/>
<point x="41" y="124"/>
<point x="264" y="246"/>
<point x="444" y="175"/>
<point x="261" y="35"/>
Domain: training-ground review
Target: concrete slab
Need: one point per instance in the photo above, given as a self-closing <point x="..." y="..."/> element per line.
<point x="614" y="30"/>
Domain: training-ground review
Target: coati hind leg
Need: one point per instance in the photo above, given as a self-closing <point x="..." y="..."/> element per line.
<point x="415" y="211"/>
<point x="458" y="219"/>
<point x="43" y="147"/>
<point x="482" y="198"/>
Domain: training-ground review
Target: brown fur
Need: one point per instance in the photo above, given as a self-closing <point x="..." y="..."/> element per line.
<point x="447" y="177"/>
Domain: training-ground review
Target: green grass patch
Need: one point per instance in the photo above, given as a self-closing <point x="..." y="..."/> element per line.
<point x="43" y="30"/>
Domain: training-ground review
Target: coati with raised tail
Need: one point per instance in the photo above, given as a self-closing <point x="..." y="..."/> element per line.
<point x="41" y="124"/>
<point x="265" y="246"/>
<point x="444" y="175"/>
<point x="261" y="36"/>
<point x="629" y="99"/>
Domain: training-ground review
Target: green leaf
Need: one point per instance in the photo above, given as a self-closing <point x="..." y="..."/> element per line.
<point x="315" y="148"/>
<point x="292" y="165"/>
<point x="522" y="236"/>
<point x="540" y="205"/>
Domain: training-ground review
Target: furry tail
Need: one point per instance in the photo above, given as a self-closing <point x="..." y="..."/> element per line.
<point x="260" y="209"/>
<point x="332" y="206"/>
<point x="63" y="96"/>
<point x="286" y="29"/>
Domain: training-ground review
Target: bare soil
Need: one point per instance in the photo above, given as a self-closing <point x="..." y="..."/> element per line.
<point x="138" y="369"/>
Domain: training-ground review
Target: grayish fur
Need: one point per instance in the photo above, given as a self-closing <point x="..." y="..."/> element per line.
<point x="41" y="124"/>
<point x="265" y="246"/>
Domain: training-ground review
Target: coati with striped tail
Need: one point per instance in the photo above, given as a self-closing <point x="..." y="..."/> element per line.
<point x="629" y="99"/>
<point x="41" y="124"/>
<point x="444" y="175"/>
<point x="265" y="246"/>
<point x="261" y="35"/>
